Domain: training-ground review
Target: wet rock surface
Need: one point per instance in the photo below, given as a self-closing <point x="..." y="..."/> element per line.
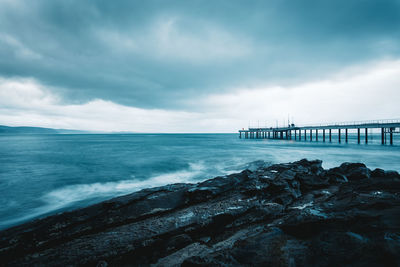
<point x="293" y="214"/>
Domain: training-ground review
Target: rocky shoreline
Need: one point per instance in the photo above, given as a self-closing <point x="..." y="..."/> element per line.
<point x="294" y="214"/>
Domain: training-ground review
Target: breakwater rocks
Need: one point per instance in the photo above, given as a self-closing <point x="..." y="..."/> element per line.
<point x="293" y="214"/>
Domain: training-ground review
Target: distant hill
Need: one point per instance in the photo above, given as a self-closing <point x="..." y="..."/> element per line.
<point x="26" y="130"/>
<point x="35" y="130"/>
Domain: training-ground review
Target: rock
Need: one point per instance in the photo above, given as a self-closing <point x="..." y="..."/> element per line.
<point x="392" y="174"/>
<point x="335" y="177"/>
<point x="179" y="241"/>
<point x="102" y="264"/>
<point x="293" y="214"/>
<point x="378" y="173"/>
<point x="353" y="171"/>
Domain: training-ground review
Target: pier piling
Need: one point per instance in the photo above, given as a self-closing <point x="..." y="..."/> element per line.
<point x="391" y="136"/>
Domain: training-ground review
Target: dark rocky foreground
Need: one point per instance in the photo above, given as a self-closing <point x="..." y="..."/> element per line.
<point x="292" y="214"/>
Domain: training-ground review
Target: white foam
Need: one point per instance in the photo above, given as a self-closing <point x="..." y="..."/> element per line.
<point x="73" y="193"/>
<point x="66" y="196"/>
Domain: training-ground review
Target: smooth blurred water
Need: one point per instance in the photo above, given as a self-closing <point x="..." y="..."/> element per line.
<point x="44" y="174"/>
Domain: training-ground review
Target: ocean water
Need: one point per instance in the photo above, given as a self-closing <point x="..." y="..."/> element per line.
<point x="46" y="174"/>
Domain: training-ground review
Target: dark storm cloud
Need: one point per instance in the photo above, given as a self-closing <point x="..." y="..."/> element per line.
<point x="159" y="53"/>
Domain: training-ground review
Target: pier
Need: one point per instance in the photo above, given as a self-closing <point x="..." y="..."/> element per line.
<point x="387" y="129"/>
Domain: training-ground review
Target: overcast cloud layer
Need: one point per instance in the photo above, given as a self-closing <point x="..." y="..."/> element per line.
<point x="196" y="65"/>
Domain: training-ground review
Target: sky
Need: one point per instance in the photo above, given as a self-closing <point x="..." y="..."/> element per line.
<point x="197" y="66"/>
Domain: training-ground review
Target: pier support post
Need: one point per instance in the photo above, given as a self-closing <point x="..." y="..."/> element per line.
<point x="323" y="135"/>
<point x="347" y="135"/>
<point x="340" y="137"/>
<point x="391" y="136"/>
<point x="299" y="135"/>
<point x="330" y="135"/>
<point x="305" y="135"/>
<point x="366" y="135"/>
<point x="310" y="135"/>
<point x="383" y="135"/>
<point x="316" y="135"/>
<point x="295" y="134"/>
<point x="358" y="135"/>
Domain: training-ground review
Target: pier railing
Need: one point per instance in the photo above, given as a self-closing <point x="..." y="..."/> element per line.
<point x="343" y="123"/>
<point x="352" y="123"/>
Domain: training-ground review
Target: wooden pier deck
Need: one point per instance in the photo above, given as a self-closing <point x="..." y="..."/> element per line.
<point x="308" y="132"/>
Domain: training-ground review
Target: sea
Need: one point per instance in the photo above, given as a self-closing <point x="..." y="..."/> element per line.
<point x="45" y="174"/>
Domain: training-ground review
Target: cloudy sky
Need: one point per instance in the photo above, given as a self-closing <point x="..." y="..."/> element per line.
<point x="197" y="66"/>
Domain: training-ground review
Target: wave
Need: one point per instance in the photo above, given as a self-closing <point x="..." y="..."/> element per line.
<point x="68" y="195"/>
<point x="75" y="193"/>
